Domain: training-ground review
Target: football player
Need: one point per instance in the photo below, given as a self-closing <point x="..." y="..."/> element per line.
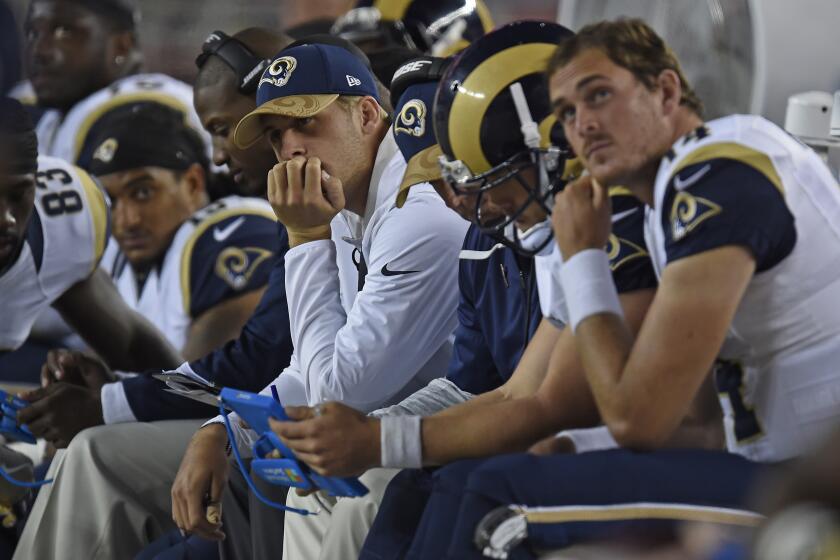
<point x="53" y="231"/>
<point x="741" y="224"/>
<point x="83" y="59"/>
<point x="196" y="271"/>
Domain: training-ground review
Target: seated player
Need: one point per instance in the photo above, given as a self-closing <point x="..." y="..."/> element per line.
<point x="368" y="335"/>
<point x="195" y="271"/>
<point x="742" y="228"/>
<point x="83" y="59"/>
<point x="53" y="231"/>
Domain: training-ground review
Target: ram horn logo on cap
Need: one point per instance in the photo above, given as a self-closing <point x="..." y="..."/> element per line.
<point x="106" y="150"/>
<point x="412" y="118"/>
<point x="280" y="71"/>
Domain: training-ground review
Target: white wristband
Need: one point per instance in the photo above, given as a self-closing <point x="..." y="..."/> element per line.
<point x="588" y="286"/>
<point x="590" y="439"/>
<point x="400" y="442"/>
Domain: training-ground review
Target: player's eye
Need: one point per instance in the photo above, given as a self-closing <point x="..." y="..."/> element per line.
<point x="62" y="32"/>
<point x="219" y="130"/>
<point x="303" y="121"/>
<point x="567" y="114"/>
<point x="141" y="193"/>
<point x="600" y="95"/>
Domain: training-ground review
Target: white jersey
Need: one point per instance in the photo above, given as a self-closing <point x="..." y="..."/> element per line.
<point x="741" y="180"/>
<point x="63" y="134"/>
<point x="65" y="240"/>
<point x="223" y="250"/>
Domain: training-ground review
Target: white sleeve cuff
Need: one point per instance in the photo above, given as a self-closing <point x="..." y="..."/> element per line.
<point x="115" y="407"/>
<point x="244" y="438"/>
<point x="590" y="439"/>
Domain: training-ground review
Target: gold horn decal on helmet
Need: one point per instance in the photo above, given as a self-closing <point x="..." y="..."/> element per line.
<point x="412" y="118"/>
<point x="480" y="88"/>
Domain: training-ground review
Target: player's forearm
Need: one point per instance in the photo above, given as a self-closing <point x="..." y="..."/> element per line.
<point x="478" y="401"/>
<point x="506" y="426"/>
<point x="220" y="324"/>
<point x="604" y="343"/>
<point x="148" y="349"/>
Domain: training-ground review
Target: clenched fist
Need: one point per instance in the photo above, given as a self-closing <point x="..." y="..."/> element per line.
<point x="581" y="217"/>
<point x="305" y="198"/>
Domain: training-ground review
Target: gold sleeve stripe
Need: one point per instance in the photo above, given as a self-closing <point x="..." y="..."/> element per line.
<point x="681" y="512"/>
<point x="480" y="88"/>
<point x="99" y="213"/>
<point x="759" y="161"/>
<point x="123" y="99"/>
<point x="392" y="9"/>
<point x="620" y="191"/>
<point x="210" y="221"/>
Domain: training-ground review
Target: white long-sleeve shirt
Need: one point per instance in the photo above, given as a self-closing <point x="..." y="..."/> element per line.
<point x="372" y="348"/>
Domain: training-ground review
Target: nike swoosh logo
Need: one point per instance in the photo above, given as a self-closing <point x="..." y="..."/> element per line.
<point x="220" y="234"/>
<point x="682" y="184"/>
<point x="386" y="272"/>
<point x="621" y="215"/>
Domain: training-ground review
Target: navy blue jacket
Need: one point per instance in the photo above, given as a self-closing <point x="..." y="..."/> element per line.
<point x="498" y="312"/>
<point x="252" y="361"/>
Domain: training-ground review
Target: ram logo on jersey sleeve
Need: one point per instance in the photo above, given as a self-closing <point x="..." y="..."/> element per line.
<point x="236" y="265"/>
<point x="688" y="212"/>
<point x="621" y="251"/>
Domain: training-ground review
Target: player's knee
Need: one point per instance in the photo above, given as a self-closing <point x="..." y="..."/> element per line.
<point x="99" y="443"/>
<point x="452" y="478"/>
<point x="492" y="479"/>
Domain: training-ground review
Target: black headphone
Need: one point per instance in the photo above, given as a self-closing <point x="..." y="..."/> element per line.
<point x="417" y="71"/>
<point x="248" y="66"/>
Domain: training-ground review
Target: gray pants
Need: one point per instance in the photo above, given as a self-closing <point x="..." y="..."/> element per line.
<point x="252" y="529"/>
<point x="111" y="495"/>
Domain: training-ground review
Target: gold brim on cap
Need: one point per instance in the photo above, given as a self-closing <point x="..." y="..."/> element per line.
<point x="250" y="129"/>
<point x="421" y="168"/>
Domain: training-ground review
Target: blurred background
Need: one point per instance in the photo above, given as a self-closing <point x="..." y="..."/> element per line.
<point x="745" y="56"/>
<point x="172" y="31"/>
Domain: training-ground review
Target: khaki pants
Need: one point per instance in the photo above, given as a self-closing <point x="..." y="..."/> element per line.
<point x="339" y="531"/>
<point x="111" y="492"/>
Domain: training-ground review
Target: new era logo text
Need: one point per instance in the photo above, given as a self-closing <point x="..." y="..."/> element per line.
<point x="352" y="81"/>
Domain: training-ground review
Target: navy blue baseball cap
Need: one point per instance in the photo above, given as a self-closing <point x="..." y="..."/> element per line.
<point x="415" y="137"/>
<point x="301" y="82"/>
<point x="413" y="86"/>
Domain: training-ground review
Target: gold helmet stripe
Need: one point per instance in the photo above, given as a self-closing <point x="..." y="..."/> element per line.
<point x="480" y="89"/>
<point x="392" y="10"/>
